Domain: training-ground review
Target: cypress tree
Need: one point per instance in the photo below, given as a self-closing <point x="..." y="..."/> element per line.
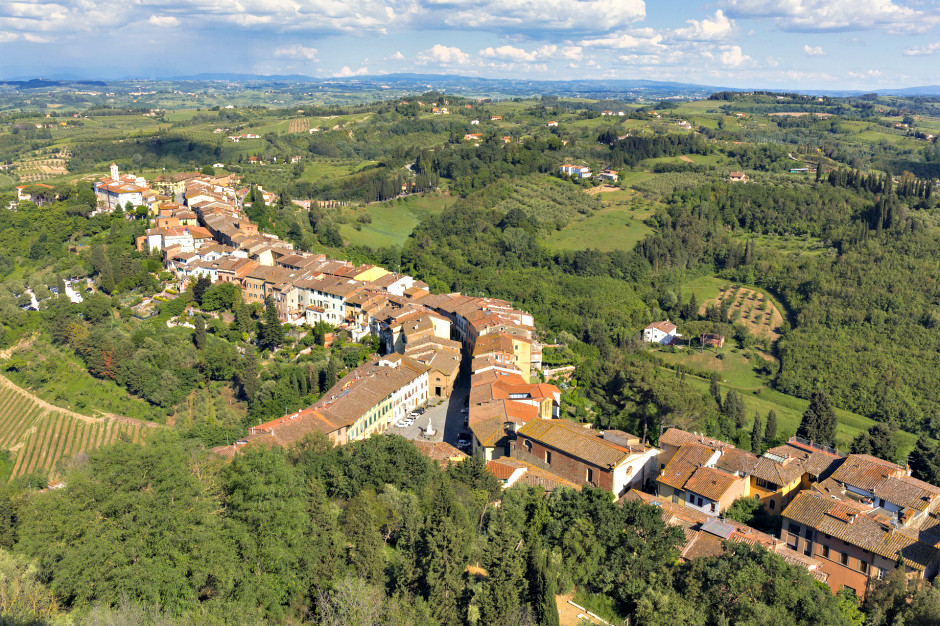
<point x="819" y="420"/>
<point x="770" y="431"/>
<point x="272" y="332"/>
<point x="199" y="334"/>
<point x="542" y="588"/>
<point x="714" y="389"/>
<point x="757" y="434"/>
<point x="925" y="460"/>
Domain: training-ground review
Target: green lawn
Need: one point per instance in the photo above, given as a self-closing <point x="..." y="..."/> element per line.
<point x="704" y="288"/>
<point x="734" y="369"/>
<point x="611" y="228"/>
<point x="392" y="222"/>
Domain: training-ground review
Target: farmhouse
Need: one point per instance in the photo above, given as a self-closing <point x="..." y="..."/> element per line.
<point x="610" y="175"/>
<point x="578" y="171"/>
<point x="737" y="177"/>
<point x="660" y="332"/>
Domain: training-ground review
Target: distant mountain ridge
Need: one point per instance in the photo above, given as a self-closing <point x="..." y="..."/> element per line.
<point x="451" y="82"/>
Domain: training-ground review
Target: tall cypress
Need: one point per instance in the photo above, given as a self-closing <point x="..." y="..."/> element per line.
<point x="770" y="431"/>
<point x="757" y="434"/>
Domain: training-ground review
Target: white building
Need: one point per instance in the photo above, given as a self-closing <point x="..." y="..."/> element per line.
<point x="660" y="332"/>
<point x="578" y="171"/>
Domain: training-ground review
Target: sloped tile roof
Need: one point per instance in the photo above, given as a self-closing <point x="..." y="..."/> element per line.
<point x="575" y="441"/>
<point x="865" y="472"/>
<point x="865" y="529"/>
<point x="710" y="483"/>
<point x="683" y="464"/>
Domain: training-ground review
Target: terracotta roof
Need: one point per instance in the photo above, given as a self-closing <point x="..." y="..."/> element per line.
<point x="578" y="442"/>
<point x="865" y="472"/>
<point x="907" y="491"/>
<point x="867" y="528"/>
<point x="504" y="467"/>
<point x="816" y="462"/>
<point x="665" y="326"/>
<point x="780" y="474"/>
<point x="489" y="431"/>
<point x="676" y="437"/>
<point x="710" y="483"/>
<point x="683" y="464"/>
<point x="440" y="451"/>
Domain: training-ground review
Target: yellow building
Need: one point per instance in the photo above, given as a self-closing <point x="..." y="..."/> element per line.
<point x="368" y="273"/>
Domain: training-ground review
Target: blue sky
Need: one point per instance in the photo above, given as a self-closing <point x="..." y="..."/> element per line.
<point x="805" y="44"/>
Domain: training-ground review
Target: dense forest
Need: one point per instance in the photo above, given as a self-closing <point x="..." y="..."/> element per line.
<point x="370" y="533"/>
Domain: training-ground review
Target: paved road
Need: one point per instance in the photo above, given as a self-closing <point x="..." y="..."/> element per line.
<point x="446" y="418"/>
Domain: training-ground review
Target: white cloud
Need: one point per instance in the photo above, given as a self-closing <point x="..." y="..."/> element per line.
<point x="835" y="15"/>
<point x="397" y="56"/>
<point x="642" y="39"/>
<point x="346" y="72"/>
<point x="732" y="56"/>
<point x="443" y="55"/>
<point x="813" y="51"/>
<point x="298" y="52"/>
<point x="509" y="53"/>
<point x="931" y="48"/>
<point x="547" y="52"/>
<point x="526" y="15"/>
<point x="163" y="21"/>
<point x="714" y="29"/>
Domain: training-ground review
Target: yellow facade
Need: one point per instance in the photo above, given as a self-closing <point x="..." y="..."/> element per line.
<point x="774" y="500"/>
<point x="374" y="421"/>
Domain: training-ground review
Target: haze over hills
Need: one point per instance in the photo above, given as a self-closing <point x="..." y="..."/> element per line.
<point x="593" y="88"/>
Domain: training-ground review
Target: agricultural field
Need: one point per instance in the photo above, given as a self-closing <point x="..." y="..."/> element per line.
<point x="39" y="435"/>
<point x="749" y="307"/>
<point x="299" y="125"/>
<point x="35" y="170"/>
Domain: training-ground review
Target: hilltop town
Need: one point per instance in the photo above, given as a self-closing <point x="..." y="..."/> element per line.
<point x="848" y="520"/>
<point x="456" y="359"/>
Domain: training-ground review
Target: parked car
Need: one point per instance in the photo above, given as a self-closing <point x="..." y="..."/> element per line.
<point x="466" y="409"/>
<point x="463" y="441"/>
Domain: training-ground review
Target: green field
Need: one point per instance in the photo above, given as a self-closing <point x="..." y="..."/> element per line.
<point x="611" y="228"/>
<point x="392" y="222"/>
<point x="704" y="288"/>
<point x="790" y="410"/>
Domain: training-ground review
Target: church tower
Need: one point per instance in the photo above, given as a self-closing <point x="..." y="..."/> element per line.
<point x="114" y="172"/>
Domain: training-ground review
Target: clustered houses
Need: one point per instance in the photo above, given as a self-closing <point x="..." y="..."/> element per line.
<point x="364" y="403"/>
<point x="705" y="536"/>
<point x="116" y="191"/>
<point x="858" y="517"/>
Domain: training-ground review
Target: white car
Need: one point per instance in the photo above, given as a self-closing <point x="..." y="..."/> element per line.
<point x="405" y="423"/>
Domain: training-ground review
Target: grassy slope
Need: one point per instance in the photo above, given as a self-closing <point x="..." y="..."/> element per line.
<point x="392" y="223"/>
<point x="611" y="228"/>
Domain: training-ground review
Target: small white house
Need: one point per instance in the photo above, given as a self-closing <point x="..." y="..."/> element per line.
<point x="578" y="171"/>
<point x="660" y="332"/>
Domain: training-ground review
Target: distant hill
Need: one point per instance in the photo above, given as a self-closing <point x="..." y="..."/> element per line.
<point x="599" y="89"/>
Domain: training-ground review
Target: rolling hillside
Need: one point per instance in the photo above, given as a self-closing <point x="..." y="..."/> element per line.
<point x="39" y="434"/>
